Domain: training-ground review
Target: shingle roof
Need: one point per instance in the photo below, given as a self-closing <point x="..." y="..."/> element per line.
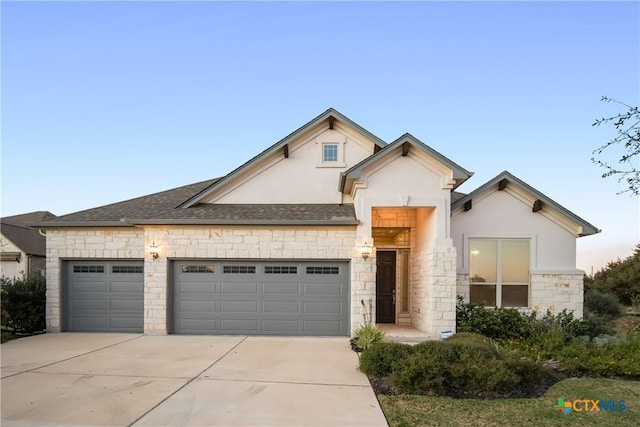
<point x="163" y="208"/>
<point x="28" y="239"/>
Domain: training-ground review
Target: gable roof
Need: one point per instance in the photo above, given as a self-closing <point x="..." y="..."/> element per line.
<point x="279" y="145"/>
<point x="28" y="239"/>
<point x="587" y="228"/>
<point x="460" y="174"/>
<point x="160" y="208"/>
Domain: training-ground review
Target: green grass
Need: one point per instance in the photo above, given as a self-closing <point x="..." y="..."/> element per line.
<point x="411" y="410"/>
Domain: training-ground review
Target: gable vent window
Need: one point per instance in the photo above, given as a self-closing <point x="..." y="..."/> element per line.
<point x="198" y="269"/>
<point x="88" y="268"/>
<point x="127" y="269"/>
<point x="329" y="152"/>
<point x="239" y="269"/>
<point x="323" y="270"/>
<point x="280" y="270"/>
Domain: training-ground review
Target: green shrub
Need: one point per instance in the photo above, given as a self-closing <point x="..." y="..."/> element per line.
<point x="379" y="359"/>
<point x="23" y="304"/>
<point x="603" y="304"/>
<point x="598" y="324"/>
<point x="454" y="369"/>
<point x="613" y="358"/>
<point x="499" y="323"/>
<point x="367" y="335"/>
<point x="476" y="341"/>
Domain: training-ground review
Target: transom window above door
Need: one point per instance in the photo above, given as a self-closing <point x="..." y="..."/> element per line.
<point x="499" y="273"/>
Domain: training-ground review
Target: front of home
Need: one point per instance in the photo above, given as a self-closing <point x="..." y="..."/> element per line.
<point x="323" y="230"/>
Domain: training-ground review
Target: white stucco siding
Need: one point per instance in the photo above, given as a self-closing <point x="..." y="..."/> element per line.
<point x="300" y="178"/>
<point x="504" y="214"/>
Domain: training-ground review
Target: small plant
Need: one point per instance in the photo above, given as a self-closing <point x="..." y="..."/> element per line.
<point x="603" y="303"/>
<point x="366" y="336"/>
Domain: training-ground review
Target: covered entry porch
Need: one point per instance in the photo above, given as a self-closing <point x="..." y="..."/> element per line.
<point x="415" y="272"/>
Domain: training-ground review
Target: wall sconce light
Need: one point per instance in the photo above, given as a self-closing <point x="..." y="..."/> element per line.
<point x="153" y="250"/>
<point x="365" y="251"/>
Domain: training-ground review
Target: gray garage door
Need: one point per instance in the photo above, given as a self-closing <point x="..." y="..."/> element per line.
<point x="261" y="298"/>
<point x="104" y="296"/>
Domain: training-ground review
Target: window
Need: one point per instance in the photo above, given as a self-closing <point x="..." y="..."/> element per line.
<point x="280" y="270"/>
<point x="187" y="268"/>
<point x="329" y="152"/>
<point x="88" y="268"/>
<point x="499" y="272"/>
<point x="323" y="270"/>
<point x="239" y="269"/>
<point x="127" y="269"/>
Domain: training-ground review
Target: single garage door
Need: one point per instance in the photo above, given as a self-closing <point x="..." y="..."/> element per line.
<point x="105" y="296"/>
<point x="261" y="298"/>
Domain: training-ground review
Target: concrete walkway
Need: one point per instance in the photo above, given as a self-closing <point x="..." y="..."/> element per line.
<point x="75" y="379"/>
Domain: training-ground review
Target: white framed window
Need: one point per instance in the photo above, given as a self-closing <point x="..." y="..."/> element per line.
<point x="329" y="153"/>
<point x="499" y="272"/>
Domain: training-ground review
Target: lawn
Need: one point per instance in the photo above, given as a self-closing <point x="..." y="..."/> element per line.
<point x="411" y="410"/>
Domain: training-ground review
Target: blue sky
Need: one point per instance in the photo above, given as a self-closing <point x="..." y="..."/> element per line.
<point x="105" y="101"/>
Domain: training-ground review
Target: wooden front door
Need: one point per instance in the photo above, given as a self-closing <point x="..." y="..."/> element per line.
<point x="386" y="287"/>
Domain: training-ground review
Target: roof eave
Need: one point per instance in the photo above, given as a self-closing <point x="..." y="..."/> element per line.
<point x="251" y="222"/>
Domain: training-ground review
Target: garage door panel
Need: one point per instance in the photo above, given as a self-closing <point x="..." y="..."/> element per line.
<point x="239" y="306"/>
<point x="274" y="298"/>
<point x="87" y="304"/>
<point x="323" y="307"/>
<point x="104" y="296"/>
<point x="323" y="288"/>
<point x="86" y="286"/>
<point x="228" y="288"/>
<point x="281" y="288"/>
<point x="281" y="307"/>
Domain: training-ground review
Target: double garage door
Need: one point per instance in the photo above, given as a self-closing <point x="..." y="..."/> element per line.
<point x="261" y="298"/>
<point x="213" y="297"/>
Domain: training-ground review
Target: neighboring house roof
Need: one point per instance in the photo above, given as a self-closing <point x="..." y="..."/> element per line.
<point x="460" y="174"/>
<point x="27" y="238"/>
<point x="279" y="145"/>
<point x="506" y="178"/>
<point x="161" y="208"/>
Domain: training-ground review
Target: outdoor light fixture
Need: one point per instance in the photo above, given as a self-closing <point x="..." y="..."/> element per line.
<point x="365" y="251"/>
<point x="153" y="250"/>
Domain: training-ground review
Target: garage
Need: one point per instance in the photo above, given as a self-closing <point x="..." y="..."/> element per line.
<point x="261" y="298"/>
<point x="104" y="296"/>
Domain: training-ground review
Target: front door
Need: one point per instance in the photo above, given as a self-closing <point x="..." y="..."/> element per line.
<point x="386" y="287"/>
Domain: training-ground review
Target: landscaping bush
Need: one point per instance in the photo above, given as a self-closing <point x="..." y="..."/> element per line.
<point x="499" y="323"/>
<point x="23" y="304"/>
<point x="603" y="304"/>
<point x="366" y="336"/>
<point x="379" y="359"/>
<point x="602" y="357"/>
<point x="453" y="369"/>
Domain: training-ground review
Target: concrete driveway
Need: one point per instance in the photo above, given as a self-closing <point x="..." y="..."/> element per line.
<point x="126" y="379"/>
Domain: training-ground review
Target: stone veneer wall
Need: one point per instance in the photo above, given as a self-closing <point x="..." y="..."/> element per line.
<point x="549" y="291"/>
<point x="83" y="243"/>
<point x="434" y="291"/>
<point x="337" y="243"/>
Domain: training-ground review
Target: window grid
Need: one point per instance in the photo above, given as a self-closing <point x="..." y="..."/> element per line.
<point x="88" y="268"/>
<point x="323" y="270"/>
<point x="127" y="269"/>
<point x="194" y="268"/>
<point x="330" y="153"/>
<point x="239" y="269"/>
<point x="280" y="270"/>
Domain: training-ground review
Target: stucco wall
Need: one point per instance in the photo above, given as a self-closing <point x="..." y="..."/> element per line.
<point x="501" y="214"/>
<point x="302" y="177"/>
